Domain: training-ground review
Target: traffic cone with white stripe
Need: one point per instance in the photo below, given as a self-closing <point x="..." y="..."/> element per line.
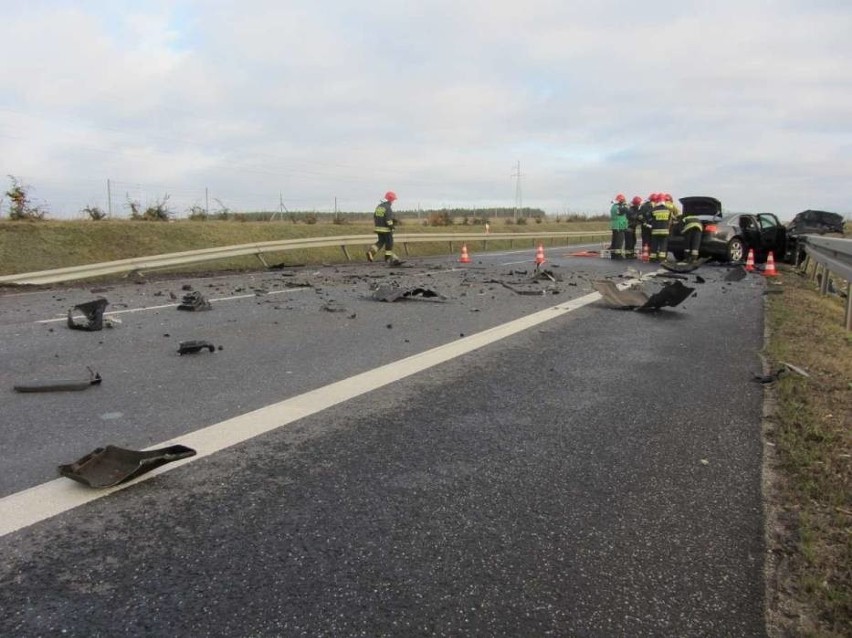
<point x="749" y="266"/>
<point x="646" y="253"/>
<point x="465" y="258"/>
<point x="769" y="270"/>
<point x="539" y="256"/>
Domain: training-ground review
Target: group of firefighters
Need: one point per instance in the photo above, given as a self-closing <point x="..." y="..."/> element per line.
<point x="654" y="218"/>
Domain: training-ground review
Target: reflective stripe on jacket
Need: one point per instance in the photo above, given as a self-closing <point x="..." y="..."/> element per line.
<point x="383" y="218"/>
<point x="661" y="216"/>
<point x="690" y="222"/>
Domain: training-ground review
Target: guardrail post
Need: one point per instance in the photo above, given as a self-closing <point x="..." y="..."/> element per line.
<point x="849" y="306"/>
<point x="405" y="248"/>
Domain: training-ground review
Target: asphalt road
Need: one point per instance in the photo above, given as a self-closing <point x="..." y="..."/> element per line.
<point x="597" y="474"/>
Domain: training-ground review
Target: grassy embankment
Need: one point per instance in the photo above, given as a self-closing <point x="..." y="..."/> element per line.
<point x="810" y="452"/>
<point x="34" y="246"/>
<point x="810" y="501"/>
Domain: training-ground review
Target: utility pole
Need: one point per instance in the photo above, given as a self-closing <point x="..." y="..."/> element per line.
<point x="109" y="198"/>
<point x="206" y="201"/>
<point x="518" y="200"/>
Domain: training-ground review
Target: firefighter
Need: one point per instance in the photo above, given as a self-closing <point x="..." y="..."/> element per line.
<point x="383" y="221"/>
<point x="661" y="219"/>
<point x="645" y="221"/>
<point x="669" y="202"/>
<point x="633" y="221"/>
<point x="618" y="224"/>
<point x="691" y="231"/>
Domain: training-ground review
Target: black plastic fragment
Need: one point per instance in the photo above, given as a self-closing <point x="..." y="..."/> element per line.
<point x="111" y="465"/>
<point x="194" y="301"/>
<point x="93" y="312"/>
<point x="194" y="346"/>
<point x="683" y="266"/>
<point x="61" y="384"/>
<point x="670" y="295"/>
<point x="395" y="293"/>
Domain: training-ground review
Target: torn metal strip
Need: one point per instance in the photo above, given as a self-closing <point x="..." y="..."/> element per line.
<point x="112" y="465"/>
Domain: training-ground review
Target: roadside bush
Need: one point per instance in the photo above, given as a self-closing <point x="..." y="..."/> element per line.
<point x="440" y="218"/>
<point x="95" y="213"/>
<point x="196" y="213"/>
<point x="310" y="218"/>
<point x="21" y="206"/>
<point x="522" y="221"/>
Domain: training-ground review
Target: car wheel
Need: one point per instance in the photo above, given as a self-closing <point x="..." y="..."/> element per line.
<point x="736" y="249"/>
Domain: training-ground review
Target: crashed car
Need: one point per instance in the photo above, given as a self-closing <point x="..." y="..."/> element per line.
<point x="811" y="222"/>
<point x="729" y="237"/>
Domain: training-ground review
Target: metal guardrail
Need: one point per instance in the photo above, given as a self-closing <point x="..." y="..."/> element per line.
<point x="160" y="262"/>
<point x="831" y="256"/>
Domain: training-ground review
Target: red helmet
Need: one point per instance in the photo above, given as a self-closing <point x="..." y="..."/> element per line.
<point x="668" y="197"/>
<point x="656" y="197"/>
<point x="390" y="196"/>
<point x="636" y="200"/>
<point x="620" y="198"/>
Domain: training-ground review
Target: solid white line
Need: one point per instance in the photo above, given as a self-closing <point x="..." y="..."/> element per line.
<point x="44" y="501"/>
<point x="174" y="305"/>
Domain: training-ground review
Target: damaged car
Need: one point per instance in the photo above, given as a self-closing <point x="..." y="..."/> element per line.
<point x="811" y="222"/>
<point x="729" y="237"/>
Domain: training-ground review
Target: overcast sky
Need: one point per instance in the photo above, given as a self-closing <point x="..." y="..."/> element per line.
<point x="245" y="103"/>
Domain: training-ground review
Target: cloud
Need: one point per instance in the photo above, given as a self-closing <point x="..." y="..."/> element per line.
<point x="749" y="101"/>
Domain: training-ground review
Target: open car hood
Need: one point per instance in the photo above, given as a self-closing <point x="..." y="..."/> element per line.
<point x="700" y="205"/>
<point x="815" y="222"/>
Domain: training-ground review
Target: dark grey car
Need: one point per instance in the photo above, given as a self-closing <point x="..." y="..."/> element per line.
<point x="729" y="237"/>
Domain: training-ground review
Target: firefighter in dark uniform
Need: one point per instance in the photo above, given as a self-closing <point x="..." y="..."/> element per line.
<point x="661" y="219"/>
<point x="384" y="222"/>
<point x="632" y="222"/>
<point x="691" y="231"/>
<point x="645" y="221"/>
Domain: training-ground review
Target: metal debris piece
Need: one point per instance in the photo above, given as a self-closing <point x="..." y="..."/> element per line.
<point x="194" y="346"/>
<point x="61" y="384"/>
<point x="94" y="314"/>
<point x="737" y="274"/>
<point x="683" y="266"/>
<point x="395" y="293"/>
<point x="670" y="295"/>
<point x="795" y="369"/>
<point x="332" y="306"/>
<point x="546" y="275"/>
<point x="766" y="379"/>
<point x="194" y="301"/>
<point x="585" y="253"/>
<point x="111" y="465"/>
<point x="699" y="279"/>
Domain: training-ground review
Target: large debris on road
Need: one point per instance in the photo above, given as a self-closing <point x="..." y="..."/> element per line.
<point x="194" y="301"/>
<point x="736" y="274"/>
<point x="390" y="292"/>
<point x="669" y="295"/>
<point x="194" y="346"/>
<point x="111" y="465"/>
<point x="683" y="266"/>
<point x="60" y="385"/>
<point x="93" y="312"/>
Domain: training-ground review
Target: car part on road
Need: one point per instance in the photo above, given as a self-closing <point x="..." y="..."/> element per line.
<point x="670" y="295"/>
<point x="94" y="315"/>
<point x="109" y="466"/>
<point x="194" y="301"/>
<point x="682" y="266"/>
<point x="194" y="346"/>
<point x="60" y="385"/>
<point x="395" y="293"/>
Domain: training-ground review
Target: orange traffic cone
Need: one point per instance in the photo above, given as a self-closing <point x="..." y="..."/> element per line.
<point x="646" y="253"/>
<point x="769" y="270"/>
<point x="750" y="260"/>
<point x="465" y="258"/>
<point x="539" y="255"/>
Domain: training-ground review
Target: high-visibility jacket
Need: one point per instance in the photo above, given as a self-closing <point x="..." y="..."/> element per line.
<point x="673" y="208"/>
<point x="383" y="218"/>
<point x="691" y="222"/>
<point x="661" y="218"/>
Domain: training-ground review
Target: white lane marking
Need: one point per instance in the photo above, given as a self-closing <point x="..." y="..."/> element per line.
<point x="174" y="305"/>
<point x="44" y="501"/>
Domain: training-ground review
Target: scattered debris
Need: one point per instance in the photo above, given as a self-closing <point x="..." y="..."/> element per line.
<point x="395" y="293"/>
<point x="584" y="253"/>
<point x="194" y="346"/>
<point x="533" y="292"/>
<point x="772" y="377"/>
<point x="194" y="301"/>
<point x="699" y="279"/>
<point x="795" y="369"/>
<point x="332" y="306"/>
<point x="94" y="315"/>
<point x="670" y="295"/>
<point x="683" y="266"/>
<point x="60" y="385"/>
<point x="737" y="274"/>
<point x="109" y="466"/>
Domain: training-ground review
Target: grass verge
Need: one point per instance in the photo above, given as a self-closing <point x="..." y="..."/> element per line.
<point x="809" y="450"/>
